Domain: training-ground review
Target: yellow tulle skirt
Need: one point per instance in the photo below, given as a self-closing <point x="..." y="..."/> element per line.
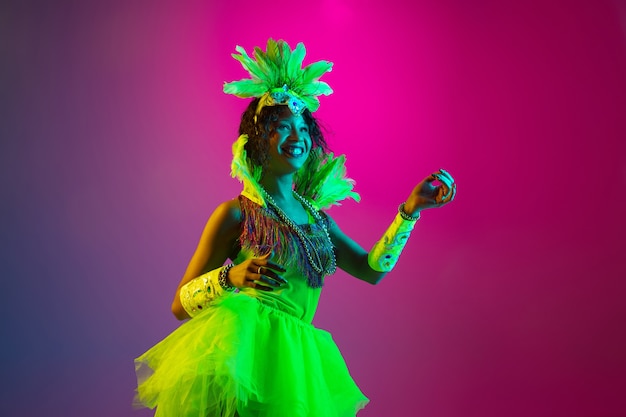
<point x="243" y="358"/>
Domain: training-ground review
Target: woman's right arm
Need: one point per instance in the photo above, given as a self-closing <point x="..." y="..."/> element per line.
<point x="216" y="244"/>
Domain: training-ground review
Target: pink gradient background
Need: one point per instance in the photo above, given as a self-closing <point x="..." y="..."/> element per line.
<point x="116" y="147"/>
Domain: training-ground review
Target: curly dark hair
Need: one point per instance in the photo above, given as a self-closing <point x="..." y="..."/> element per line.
<point x="258" y="133"/>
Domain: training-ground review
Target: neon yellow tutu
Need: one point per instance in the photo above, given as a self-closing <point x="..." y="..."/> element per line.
<point x="244" y="356"/>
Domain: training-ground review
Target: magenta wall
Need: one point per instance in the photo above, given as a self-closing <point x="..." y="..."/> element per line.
<point x="115" y="147"/>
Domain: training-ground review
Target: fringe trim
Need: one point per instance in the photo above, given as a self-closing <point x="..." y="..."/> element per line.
<point x="262" y="228"/>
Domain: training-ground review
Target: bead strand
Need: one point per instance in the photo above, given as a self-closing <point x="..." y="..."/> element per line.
<point x="304" y="240"/>
<point x="319" y="220"/>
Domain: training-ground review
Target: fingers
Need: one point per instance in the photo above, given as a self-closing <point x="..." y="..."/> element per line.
<point x="444" y="199"/>
<point x="264" y="262"/>
<point x="444" y="177"/>
<point x="261" y="273"/>
<point x="269" y="276"/>
<point x="447" y="183"/>
<point x="436" y="190"/>
<point x="264" y="277"/>
<point x="450" y="197"/>
<point x="272" y="266"/>
<point x="269" y="282"/>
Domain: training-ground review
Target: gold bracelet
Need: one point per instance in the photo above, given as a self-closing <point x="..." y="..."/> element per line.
<point x="223" y="278"/>
<point x="406" y="216"/>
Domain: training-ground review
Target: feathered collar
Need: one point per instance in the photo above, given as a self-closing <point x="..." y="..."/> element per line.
<point x="322" y="180"/>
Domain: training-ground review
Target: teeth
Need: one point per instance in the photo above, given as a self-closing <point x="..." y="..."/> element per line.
<point x="295" y="151"/>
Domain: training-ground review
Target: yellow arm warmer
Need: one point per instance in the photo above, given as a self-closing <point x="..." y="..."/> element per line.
<point x="385" y="253"/>
<point x="198" y="293"/>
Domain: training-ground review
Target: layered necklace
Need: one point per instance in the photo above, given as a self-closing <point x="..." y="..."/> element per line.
<point x="311" y="251"/>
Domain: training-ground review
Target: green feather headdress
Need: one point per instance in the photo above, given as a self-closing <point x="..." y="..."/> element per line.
<point x="277" y="78"/>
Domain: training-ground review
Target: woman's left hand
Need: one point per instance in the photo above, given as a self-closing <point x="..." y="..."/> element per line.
<point x="427" y="195"/>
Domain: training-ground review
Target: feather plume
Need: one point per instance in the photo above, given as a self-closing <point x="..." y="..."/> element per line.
<point x="279" y="66"/>
<point x="246" y="172"/>
<point x="323" y="180"/>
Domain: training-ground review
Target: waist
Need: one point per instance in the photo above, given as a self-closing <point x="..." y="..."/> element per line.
<point x="279" y="305"/>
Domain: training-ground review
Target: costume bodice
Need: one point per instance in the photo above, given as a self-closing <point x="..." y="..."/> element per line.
<point x="262" y="231"/>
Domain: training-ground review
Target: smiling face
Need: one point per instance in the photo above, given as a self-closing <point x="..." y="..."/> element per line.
<point x="289" y="143"/>
<point x="263" y="128"/>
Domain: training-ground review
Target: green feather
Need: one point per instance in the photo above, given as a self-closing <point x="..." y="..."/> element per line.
<point x="311" y="102"/>
<point x="267" y="65"/>
<point x="272" y="50"/>
<point x="243" y="169"/>
<point x="315" y="70"/>
<point x="285" y="53"/>
<point x="245" y="88"/>
<point x="248" y="63"/>
<point x="294" y="67"/>
<point x="315" y="88"/>
<point x="323" y="180"/>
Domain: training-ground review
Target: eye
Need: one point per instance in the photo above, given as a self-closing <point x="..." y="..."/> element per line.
<point x="283" y="127"/>
<point x="304" y="129"/>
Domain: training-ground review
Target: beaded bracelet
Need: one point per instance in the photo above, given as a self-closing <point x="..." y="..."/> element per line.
<point x="222" y="280"/>
<point x="406" y="216"/>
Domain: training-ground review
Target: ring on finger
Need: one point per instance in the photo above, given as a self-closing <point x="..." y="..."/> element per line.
<point x="259" y="270"/>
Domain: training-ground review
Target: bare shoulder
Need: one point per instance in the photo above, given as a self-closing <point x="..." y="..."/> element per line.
<point x="230" y="210"/>
<point x="227" y="215"/>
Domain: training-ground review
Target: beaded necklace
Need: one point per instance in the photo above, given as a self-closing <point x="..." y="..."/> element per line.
<point x="309" y="248"/>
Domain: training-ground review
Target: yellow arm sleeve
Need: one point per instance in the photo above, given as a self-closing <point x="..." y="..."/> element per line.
<point x="385" y="253"/>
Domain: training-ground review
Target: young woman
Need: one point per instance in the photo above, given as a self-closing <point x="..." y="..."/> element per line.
<point x="250" y="348"/>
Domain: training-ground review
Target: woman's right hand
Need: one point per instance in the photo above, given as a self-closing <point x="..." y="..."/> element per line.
<point x="259" y="273"/>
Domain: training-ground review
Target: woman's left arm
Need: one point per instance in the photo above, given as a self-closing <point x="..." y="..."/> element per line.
<point x="372" y="266"/>
<point x="351" y="257"/>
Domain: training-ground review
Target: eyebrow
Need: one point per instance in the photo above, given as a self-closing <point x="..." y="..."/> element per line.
<point x="291" y="120"/>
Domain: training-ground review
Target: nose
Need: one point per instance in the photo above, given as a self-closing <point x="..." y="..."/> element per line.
<point x="296" y="136"/>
